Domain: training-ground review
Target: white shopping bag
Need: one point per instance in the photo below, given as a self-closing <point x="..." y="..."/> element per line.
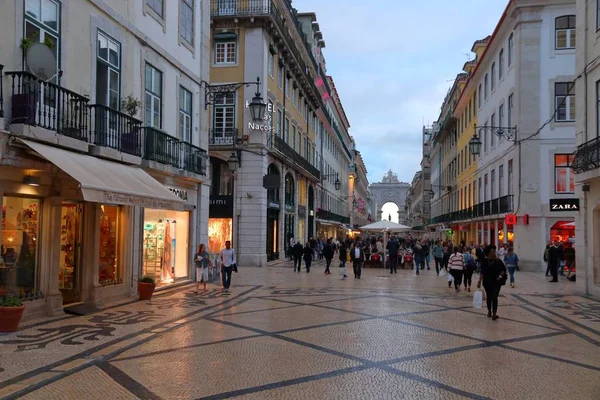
<point x="478" y="299"/>
<point x="442" y="272"/>
<point x="342" y="269"/>
<point x="450" y="277"/>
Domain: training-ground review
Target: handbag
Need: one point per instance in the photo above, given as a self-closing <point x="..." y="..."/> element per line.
<point x="478" y="299"/>
<point x="234" y="266"/>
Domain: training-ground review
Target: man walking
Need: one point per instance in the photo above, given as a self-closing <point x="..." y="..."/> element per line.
<point x="297" y="251"/>
<point x="393" y="248"/>
<point x="554" y="257"/>
<point x="228" y="263"/>
<point x="358" y="257"/>
<point x="328" y="254"/>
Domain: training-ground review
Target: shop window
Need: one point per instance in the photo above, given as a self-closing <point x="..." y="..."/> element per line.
<point x="18" y="252"/>
<point x="564" y="178"/>
<point x="166" y="244"/>
<point x="111" y="270"/>
<point x="219" y="231"/>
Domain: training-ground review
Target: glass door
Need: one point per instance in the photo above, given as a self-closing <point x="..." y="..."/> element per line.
<point x="69" y="274"/>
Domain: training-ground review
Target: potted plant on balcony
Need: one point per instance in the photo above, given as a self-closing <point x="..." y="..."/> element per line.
<point x="11" y="312"/>
<point x="130" y="105"/>
<point x="146" y="287"/>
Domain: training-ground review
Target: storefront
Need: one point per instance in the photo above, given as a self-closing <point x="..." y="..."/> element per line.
<point x="301" y="235"/>
<point x="220" y="223"/>
<point x="563" y="231"/>
<point x="273" y="231"/>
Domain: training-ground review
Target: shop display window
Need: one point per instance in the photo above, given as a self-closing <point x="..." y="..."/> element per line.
<point x="18" y="252"/>
<point x="166" y="244"/>
<point x="219" y="231"/>
<point x="111" y="271"/>
<point x="69" y="244"/>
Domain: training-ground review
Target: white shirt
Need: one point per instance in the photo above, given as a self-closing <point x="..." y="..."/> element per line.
<point x="501" y="253"/>
<point x="228" y="257"/>
<point x="356" y="252"/>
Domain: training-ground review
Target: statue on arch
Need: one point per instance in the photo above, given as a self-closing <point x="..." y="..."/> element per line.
<point x="390" y="177"/>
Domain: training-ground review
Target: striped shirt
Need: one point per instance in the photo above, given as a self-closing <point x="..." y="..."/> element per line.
<point x="457" y="261"/>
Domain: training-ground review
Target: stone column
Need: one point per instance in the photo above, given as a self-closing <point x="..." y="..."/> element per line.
<point x="49" y="261"/>
<point x="90" y="265"/>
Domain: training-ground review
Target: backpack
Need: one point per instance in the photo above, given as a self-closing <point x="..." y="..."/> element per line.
<point x="471" y="264"/>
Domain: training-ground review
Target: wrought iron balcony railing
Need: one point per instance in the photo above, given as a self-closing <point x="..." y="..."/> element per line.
<point x="329" y="216"/>
<point x="161" y="147"/>
<point x="289" y="153"/>
<point x="587" y="156"/>
<point x="116" y="130"/>
<point x="47" y="105"/>
<point x="223" y="137"/>
<point x="500" y="205"/>
<point x="195" y="159"/>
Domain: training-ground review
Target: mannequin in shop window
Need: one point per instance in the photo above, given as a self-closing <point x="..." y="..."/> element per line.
<point x="167" y="273"/>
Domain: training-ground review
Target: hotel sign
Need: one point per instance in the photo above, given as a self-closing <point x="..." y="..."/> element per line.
<point x="265" y="124"/>
<point x="557" y="205"/>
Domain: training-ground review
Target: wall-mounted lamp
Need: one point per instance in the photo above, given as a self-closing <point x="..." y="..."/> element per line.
<point x="31" y="180"/>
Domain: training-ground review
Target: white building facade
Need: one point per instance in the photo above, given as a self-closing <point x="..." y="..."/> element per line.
<point x="103" y="166"/>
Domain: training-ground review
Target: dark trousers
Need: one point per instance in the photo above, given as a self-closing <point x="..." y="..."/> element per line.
<point x="357" y="265"/>
<point x="393" y="263"/>
<point x="307" y="261"/>
<point x="547" y="268"/>
<point x="554" y="271"/>
<point x="439" y="262"/>
<point x="457" y="274"/>
<point x="492" y="291"/>
<point x="327" y="264"/>
<point x="468" y="275"/>
<point x="226" y="274"/>
<point x="297" y="263"/>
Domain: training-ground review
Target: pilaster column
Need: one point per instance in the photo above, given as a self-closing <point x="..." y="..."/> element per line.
<point x="49" y="261"/>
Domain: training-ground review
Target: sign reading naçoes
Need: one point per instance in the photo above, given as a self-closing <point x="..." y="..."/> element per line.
<point x="267" y="120"/>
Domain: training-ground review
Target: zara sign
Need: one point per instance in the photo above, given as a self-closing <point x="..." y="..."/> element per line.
<point x="265" y="125"/>
<point x="557" y="205"/>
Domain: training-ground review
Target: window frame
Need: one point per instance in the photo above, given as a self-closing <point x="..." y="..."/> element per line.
<point x="509" y="114"/>
<point x="570" y="112"/>
<point x="186" y="115"/>
<point x="222" y="103"/>
<point x="500" y="180"/>
<point x="568" y="32"/>
<point x="501" y="64"/>
<point x="226" y="52"/>
<point x="569" y="176"/>
<point x="511" y="47"/>
<point x="111" y="67"/>
<point x="191" y="5"/>
<point x="43" y="28"/>
<point x="493" y="77"/>
<point x="271" y="64"/>
<point x="509" y="185"/>
<point x="153" y="95"/>
<point x="486" y="86"/>
<point x="148" y="7"/>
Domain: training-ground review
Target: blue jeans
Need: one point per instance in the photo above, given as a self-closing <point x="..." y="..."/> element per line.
<point x="418" y="262"/>
<point x="226" y="274"/>
<point x="511" y="270"/>
<point x="427" y="259"/>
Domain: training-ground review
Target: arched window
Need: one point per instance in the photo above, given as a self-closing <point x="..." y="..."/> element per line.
<point x="273" y="194"/>
<point x="289" y="190"/>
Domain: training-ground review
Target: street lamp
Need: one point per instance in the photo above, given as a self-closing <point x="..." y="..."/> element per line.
<point x="475" y="145"/>
<point x="216" y="92"/>
<point x="257" y="107"/>
<point x="233" y="161"/>
<point x="507" y="132"/>
<point x="337" y="184"/>
<point x="354" y="203"/>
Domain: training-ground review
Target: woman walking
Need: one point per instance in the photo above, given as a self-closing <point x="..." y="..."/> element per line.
<point x="493" y="276"/>
<point x="343" y="259"/>
<point x="470" y="267"/>
<point x="202" y="262"/>
<point x="447" y="253"/>
<point x="438" y="255"/>
<point x="308" y="256"/>
<point x="511" y="260"/>
<point x="457" y="265"/>
<point x="328" y="254"/>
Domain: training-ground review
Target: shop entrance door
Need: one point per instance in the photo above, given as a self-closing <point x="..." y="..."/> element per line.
<point x="69" y="274"/>
<point x="272" y="234"/>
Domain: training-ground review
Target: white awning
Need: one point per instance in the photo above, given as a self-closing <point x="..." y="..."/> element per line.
<point x="103" y="181"/>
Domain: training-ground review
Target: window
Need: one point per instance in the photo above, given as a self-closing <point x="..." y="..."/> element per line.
<point x="186" y="20"/>
<point x="493" y="134"/>
<point x="510" y="177"/>
<point x="293" y="143"/>
<point x="294" y="94"/>
<point x="511" y="46"/>
<point x="299" y="143"/>
<point x="286" y="136"/>
<point x="153" y="97"/>
<point x="280" y="72"/>
<point x="480" y="191"/>
<point x="271" y="64"/>
<point x="564" y="101"/>
<point x="42" y="19"/>
<point x="475" y="192"/>
<point x="501" y="181"/>
<point x="470" y="109"/>
<point x="493" y="183"/>
<point x="157" y="6"/>
<point x="485" y="137"/>
<point x="185" y="115"/>
<point x="485" y="187"/>
<point x="110" y="268"/>
<point x="279" y="123"/>
<point x="485" y="87"/>
<point x="20" y="238"/>
<point x="501" y="65"/>
<point x="270" y="114"/>
<point x="225" y="52"/>
<point x="479" y="100"/>
<point x="565" y="32"/>
<point x="108" y="72"/>
<point x="493" y="77"/>
<point x="510" y="111"/>
<point x="564" y="178"/>
<point x="224" y="116"/>
<point x="287" y="88"/>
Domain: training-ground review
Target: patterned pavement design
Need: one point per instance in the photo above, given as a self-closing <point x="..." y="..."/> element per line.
<point x="286" y="335"/>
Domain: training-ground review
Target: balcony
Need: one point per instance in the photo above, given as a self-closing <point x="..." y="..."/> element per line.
<point x="500" y="205"/>
<point x="115" y="130"/>
<point x="165" y="149"/>
<point x="223" y="137"/>
<point x="288" y="153"/>
<point x="194" y="158"/>
<point x="329" y="216"/>
<point x="587" y="156"/>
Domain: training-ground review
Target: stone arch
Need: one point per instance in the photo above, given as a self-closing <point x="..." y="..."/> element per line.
<point x="390" y="189"/>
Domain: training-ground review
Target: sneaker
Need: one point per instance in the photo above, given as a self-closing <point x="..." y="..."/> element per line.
<point x="495" y="317"/>
<point x="489" y="314"/>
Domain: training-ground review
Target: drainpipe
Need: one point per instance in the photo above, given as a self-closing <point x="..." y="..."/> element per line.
<point x="585" y="133"/>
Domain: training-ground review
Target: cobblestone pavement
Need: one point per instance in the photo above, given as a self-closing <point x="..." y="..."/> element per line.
<point x="285" y="335"/>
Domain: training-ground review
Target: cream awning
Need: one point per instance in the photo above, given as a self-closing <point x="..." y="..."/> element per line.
<point x="103" y="181"/>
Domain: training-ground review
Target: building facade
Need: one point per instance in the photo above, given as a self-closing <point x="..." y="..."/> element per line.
<point x="102" y="136"/>
<point x="587" y="161"/>
<point x="524" y="83"/>
<point x="284" y="185"/>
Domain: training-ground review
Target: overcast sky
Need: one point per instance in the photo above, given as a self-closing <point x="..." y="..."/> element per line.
<point x="393" y="62"/>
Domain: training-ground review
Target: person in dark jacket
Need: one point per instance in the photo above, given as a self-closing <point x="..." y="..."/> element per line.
<point x="358" y="258"/>
<point x="493" y="275"/>
<point x="297" y="251"/>
<point x="343" y="259"/>
<point x="393" y="248"/>
<point x="561" y="259"/>
<point x="554" y="258"/>
<point x="328" y="254"/>
<point x="308" y="256"/>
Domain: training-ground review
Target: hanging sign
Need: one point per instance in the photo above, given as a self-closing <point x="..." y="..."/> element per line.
<point x="511" y="219"/>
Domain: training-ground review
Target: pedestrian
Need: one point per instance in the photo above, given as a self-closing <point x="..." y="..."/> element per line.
<point x="493" y="276"/>
<point x="343" y="259"/>
<point x="438" y="255"/>
<point x="298" y="251"/>
<point x="358" y="257"/>
<point x="308" y="256"/>
<point x="393" y="247"/>
<point x="501" y="252"/>
<point x="457" y="266"/>
<point x="511" y="261"/>
<point x="228" y="265"/>
<point x="202" y="263"/>
<point x="547" y="258"/>
<point x="447" y="253"/>
<point x="561" y="258"/>
<point x="328" y="254"/>
<point x="291" y="248"/>
<point x="418" y="257"/>
<point x="426" y="255"/>
<point x="554" y="255"/>
<point x="470" y="267"/>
